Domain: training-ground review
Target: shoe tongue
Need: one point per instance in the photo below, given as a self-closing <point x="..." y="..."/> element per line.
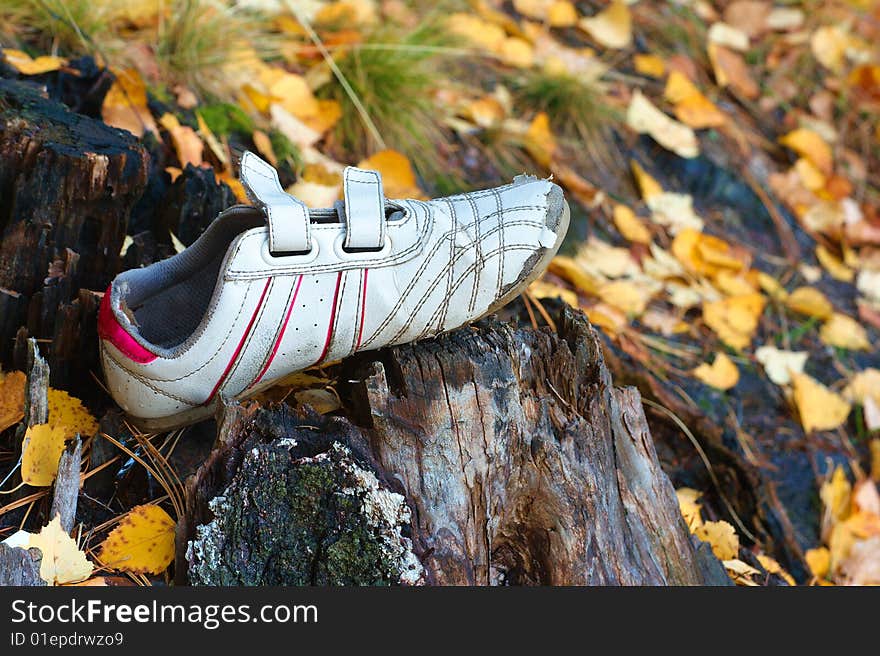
<point x="339" y="206"/>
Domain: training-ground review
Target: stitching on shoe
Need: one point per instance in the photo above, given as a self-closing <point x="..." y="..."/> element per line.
<point x="147" y="382"/>
<point x="209" y="360"/>
<point x="497" y="251"/>
<point x="242" y="274"/>
<point x="357" y="312"/>
<point x="433" y="285"/>
<point x="376" y="183"/>
<point x="498" y="205"/>
<point x="479" y="255"/>
<point x="249" y="338"/>
<point x="337" y="312"/>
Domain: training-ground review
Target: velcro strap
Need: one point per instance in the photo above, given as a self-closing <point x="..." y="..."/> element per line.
<point x="364" y="208"/>
<point x="288" y="217"/>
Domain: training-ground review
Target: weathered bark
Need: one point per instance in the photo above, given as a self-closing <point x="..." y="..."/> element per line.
<point x="518" y="460"/>
<point x="67" y="184"/>
<point x="66" y="489"/>
<point x="20" y="567"/>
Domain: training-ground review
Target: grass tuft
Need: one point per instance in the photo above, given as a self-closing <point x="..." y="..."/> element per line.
<point x="198" y="37"/>
<point x="579" y="113"/>
<point x="68" y="25"/>
<point x="394" y="78"/>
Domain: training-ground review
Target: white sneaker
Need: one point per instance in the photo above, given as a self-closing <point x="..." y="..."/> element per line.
<point x="273" y="289"/>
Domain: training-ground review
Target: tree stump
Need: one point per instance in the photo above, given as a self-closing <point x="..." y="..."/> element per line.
<point x="488" y="456"/>
<point x="67" y="185"/>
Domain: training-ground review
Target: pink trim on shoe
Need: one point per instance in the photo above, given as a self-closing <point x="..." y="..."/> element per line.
<point x="241" y="342"/>
<point x="332" y="317"/>
<point x="109" y="329"/>
<point x="363" y="310"/>
<point x="280" y="335"/>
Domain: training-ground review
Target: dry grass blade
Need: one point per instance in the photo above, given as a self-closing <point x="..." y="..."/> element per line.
<point x="687" y="431"/>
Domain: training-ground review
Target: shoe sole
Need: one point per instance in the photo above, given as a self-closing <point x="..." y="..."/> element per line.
<point x="195" y="415"/>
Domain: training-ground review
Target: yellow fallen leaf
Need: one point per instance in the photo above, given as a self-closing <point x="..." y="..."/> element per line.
<point x="477" y="30"/>
<point x="780" y="364"/>
<point x="648" y="186"/>
<point x="260" y="101"/>
<point x="607" y="317"/>
<point x="42" y="447"/>
<point x="705" y="254"/>
<point x="539" y="140"/>
<point x="630" y="226"/>
<point x="862" y="565"/>
<point x="875" y="459"/>
<point x="598" y="257"/>
<point x="811" y="177"/>
<point x="486" y="112"/>
<point x="650" y="65"/>
<point x="829" y="44"/>
<point x="773" y="567"/>
<point x="24" y="64"/>
<point x="629" y="297"/>
<point x="722" y="374"/>
<point x="866" y="497"/>
<point x="643" y="117"/>
<point x="125" y="105"/>
<point x="740" y="573"/>
<point x="292" y="91"/>
<point x="811" y="145"/>
<point x="187" y="144"/>
<point x="142" y="543"/>
<point x="728" y="35"/>
<point x="844" y="332"/>
<point x="864" y="384"/>
<point x="735" y="319"/>
<point x="328" y="114"/>
<point x="611" y="27"/>
<point x="811" y="302"/>
<point x="675" y="211"/>
<point x="536" y="9"/>
<point x="68" y="411"/>
<point x="264" y="146"/>
<point x="771" y="287"/>
<point x="784" y="19"/>
<point x="819" y="561"/>
<point x="819" y="407"/>
<point x="398" y="177"/>
<point x="568" y="269"/>
<point x="841" y="539"/>
<point x="691" y="107"/>
<point x="733" y="283"/>
<point x="562" y="14"/>
<point x="11" y="398"/>
<point x="517" y="52"/>
<point x="294" y="129"/>
<point x="721" y="536"/>
<point x="834" y="266"/>
<point x="544" y="289"/>
<point x="731" y="70"/>
<point x="690" y="508"/>
<point x="62" y="561"/>
<point x="835" y="494"/>
<point x="317" y="187"/>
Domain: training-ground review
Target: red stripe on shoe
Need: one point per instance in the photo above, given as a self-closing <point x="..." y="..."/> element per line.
<point x="240" y="343"/>
<point x="363" y="310"/>
<point x="110" y="330"/>
<point x="332" y="317"/>
<point x="280" y="335"/>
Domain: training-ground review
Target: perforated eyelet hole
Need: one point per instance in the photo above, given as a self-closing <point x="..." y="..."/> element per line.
<point x="361" y="253"/>
<point x="281" y="258"/>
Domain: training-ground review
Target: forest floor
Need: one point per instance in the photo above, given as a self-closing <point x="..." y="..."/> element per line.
<point x="722" y="159"/>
